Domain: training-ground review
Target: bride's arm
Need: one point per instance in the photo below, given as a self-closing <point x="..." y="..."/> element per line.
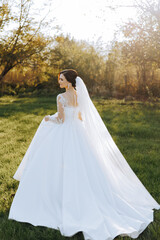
<point x="59" y="116"/>
<point x="80" y="116"/>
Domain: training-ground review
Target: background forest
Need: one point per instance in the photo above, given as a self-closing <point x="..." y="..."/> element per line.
<point x="31" y="60"/>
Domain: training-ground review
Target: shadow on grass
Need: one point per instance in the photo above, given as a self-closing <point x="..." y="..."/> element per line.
<point x="14" y="230"/>
<point x="137" y="120"/>
<point x="27" y="106"/>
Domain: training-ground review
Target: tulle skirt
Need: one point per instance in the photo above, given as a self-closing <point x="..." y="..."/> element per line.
<point x="65" y="186"/>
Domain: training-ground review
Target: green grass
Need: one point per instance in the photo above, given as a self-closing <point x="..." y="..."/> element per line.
<point x="134" y="127"/>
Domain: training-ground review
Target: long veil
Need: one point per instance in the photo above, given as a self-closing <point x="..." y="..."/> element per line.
<point x="123" y="180"/>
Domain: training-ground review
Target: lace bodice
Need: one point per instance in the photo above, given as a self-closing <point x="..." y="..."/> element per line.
<point x="67" y="100"/>
<point x="67" y="108"/>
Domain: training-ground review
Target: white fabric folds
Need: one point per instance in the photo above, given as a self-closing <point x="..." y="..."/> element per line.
<point x="74" y="178"/>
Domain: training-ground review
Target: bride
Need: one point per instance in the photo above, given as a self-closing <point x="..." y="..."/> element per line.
<point x="74" y="178"/>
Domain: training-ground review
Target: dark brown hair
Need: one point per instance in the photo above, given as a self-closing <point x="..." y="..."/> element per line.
<point x="70" y="75"/>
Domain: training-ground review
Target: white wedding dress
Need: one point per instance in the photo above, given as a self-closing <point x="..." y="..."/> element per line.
<point x="65" y="185"/>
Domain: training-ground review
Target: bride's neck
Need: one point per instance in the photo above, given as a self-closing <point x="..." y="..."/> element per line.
<point x="70" y="89"/>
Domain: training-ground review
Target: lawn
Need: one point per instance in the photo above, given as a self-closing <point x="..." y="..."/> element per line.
<point x="134" y="126"/>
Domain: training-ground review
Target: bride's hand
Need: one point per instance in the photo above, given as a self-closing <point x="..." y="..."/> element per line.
<point x="46" y="118"/>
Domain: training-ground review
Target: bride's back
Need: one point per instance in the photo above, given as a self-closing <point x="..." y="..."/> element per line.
<point x="70" y="104"/>
<point x="70" y="99"/>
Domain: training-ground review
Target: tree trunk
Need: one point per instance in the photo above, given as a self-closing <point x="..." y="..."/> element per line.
<point x="126" y="84"/>
<point x="144" y="82"/>
<point x="6" y="69"/>
<point x="4" y="72"/>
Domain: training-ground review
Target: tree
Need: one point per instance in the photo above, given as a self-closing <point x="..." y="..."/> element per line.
<point x="18" y="45"/>
<point x="4" y="15"/>
<point x="142" y="45"/>
<point x="79" y="55"/>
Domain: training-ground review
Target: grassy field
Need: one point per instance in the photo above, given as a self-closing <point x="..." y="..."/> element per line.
<point x="134" y="126"/>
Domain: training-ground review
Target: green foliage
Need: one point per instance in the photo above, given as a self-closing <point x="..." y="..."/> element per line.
<point x="30" y="62"/>
<point x="134" y="127"/>
<point x="142" y="45"/>
<point x="23" y="41"/>
<point x="4" y="14"/>
<point x="79" y="55"/>
<point x="40" y="75"/>
<point x="133" y="65"/>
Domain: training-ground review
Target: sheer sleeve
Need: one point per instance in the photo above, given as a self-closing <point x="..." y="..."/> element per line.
<point x="59" y="116"/>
